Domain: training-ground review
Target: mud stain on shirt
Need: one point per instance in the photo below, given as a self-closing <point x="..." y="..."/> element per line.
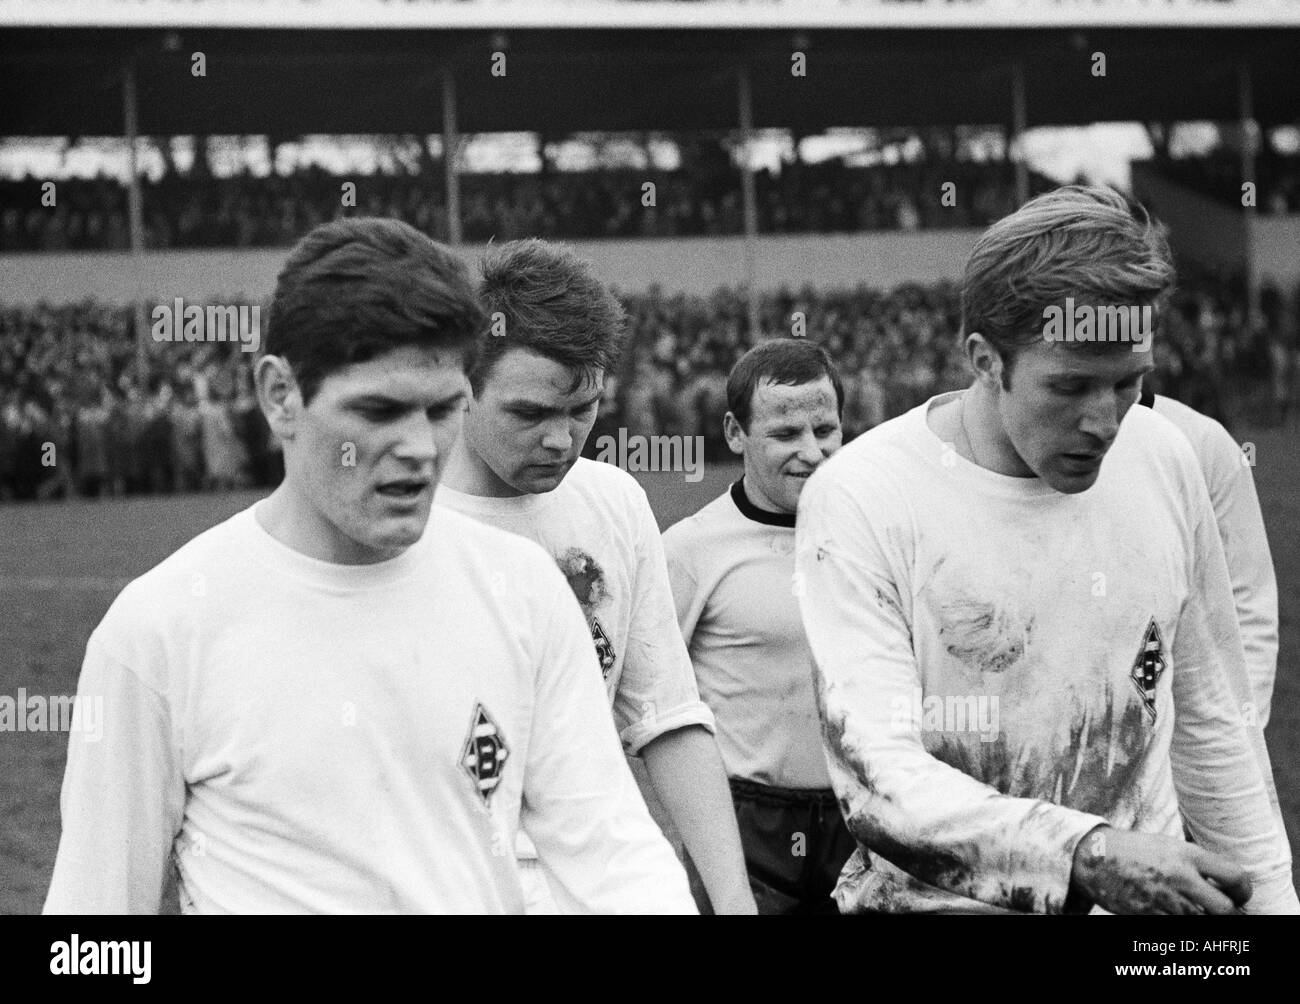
<point x="585" y="576"/>
<point x="982" y="636"/>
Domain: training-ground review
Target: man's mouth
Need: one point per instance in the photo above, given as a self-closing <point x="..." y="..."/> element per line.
<point x="404" y="488"/>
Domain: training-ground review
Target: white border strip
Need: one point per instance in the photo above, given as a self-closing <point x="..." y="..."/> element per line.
<point x="591" y="14"/>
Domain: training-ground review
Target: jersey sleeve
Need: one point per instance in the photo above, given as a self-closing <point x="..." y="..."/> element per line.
<point x="934" y="822"/>
<point x="688" y="601"/>
<point x="1220" y="762"/>
<point x="123" y="796"/>
<point x="1250" y="564"/>
<point x="596" y="841"/>
<point x="657" y="692"/>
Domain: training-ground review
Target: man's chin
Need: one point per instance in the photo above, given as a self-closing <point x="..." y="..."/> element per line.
<point x="539" y="483"/>
<point x="1073" y="484"/>
<point x="399" y="530"/>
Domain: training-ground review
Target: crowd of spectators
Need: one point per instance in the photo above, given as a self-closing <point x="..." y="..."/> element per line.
<point x="246" y="210"/>
<point x="250" y="211"/>
<point x="81" y="416"/>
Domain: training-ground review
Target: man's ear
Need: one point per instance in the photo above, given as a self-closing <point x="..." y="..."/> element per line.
<point x="984" y="358"/>
<point x="734" y="434"/>
<point x="279" y="395"/>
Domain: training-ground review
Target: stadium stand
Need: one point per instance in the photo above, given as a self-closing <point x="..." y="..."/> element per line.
<point x="1219" y="176"/>
<point x="245" y="210"/>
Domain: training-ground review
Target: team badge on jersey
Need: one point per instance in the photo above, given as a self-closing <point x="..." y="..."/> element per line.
<point x="1149" y="666"/>
<point x="604" y="650"/>
<point x="484" y="754"/>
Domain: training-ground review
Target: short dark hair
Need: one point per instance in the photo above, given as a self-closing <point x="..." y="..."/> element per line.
<point x="550" y="302"/>
<point x="789" y="361"/>
<point x="354" y="289"/>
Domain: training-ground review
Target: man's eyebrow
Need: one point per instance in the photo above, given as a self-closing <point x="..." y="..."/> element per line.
<point x="373" y="400"/>
<point x="531" y="405"/>
<point x="452" y="398"/>
<point x="1092" y="377"/>
<point x="377" y="399"/>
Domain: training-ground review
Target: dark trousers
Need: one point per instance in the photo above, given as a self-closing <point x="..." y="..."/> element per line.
<point x="795" y="844"/>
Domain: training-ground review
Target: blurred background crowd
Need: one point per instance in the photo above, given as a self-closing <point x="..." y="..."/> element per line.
<point x="71" y="378"/>
<point x="245" y="210"/>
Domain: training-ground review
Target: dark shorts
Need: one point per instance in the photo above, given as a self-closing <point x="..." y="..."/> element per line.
<point x="795" y="844"/>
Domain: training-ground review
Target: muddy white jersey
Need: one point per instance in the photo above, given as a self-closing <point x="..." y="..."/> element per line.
<point x="598" y="526"/>
<point x="1001" y="667"/>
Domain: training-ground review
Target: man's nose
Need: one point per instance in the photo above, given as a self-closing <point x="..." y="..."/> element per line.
<point x="810" y="451"/>
<point x="416" y="442"/>
<point x="1101" y="418"/>
<point x="557" y="437"/>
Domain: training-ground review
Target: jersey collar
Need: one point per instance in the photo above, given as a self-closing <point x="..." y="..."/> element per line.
<point x="751" y="511"/>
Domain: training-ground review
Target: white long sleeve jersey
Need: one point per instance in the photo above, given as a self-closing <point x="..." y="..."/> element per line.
<point x="1002" y="667"/>
<point x="1231" y="483"/>
<point x="305" y="737"/>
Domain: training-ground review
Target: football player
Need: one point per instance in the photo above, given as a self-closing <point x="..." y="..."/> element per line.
<point x="555" y="332"/>
<point x="1028" y="659"/>
<point x="323" y="704"/>
<point x="1226" y="470"/>
<point x="731" y="566"/>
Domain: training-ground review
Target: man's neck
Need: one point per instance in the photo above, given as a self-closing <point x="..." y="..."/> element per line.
<point x="743" y="495"/>
<point x="466" y="473"/>
<point x="984" y="436"/>
<point x="750" y="486"/>
<point x="287" y="517"/>
<point x="971" y="424"/>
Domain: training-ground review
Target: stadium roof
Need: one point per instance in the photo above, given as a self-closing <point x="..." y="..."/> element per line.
<point x="312" y="68"/>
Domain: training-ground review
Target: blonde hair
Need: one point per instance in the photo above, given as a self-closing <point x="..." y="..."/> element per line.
<point x="1091" y="244"/>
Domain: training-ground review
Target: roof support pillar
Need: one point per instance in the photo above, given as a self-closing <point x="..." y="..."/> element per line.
<point x="1016" y="145"/>
<point x="1246" y="115"/>
<point x="745" y="100"/>
<point x="135" y="210"/>
<point x="451" y="156"/>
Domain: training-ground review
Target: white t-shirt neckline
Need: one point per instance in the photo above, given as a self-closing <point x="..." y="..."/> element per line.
<point x="328" y="575"/>
<point x="509" y="506"/>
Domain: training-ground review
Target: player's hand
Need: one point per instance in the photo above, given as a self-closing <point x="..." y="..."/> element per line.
<point x="1126" y="872"/>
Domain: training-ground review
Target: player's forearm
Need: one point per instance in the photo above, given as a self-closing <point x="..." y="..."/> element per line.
<point x="686" y="770"/>
<point x="1220" y="763"/>
<point x="1257" y="619"/>
<point x="1254" y="588"/>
